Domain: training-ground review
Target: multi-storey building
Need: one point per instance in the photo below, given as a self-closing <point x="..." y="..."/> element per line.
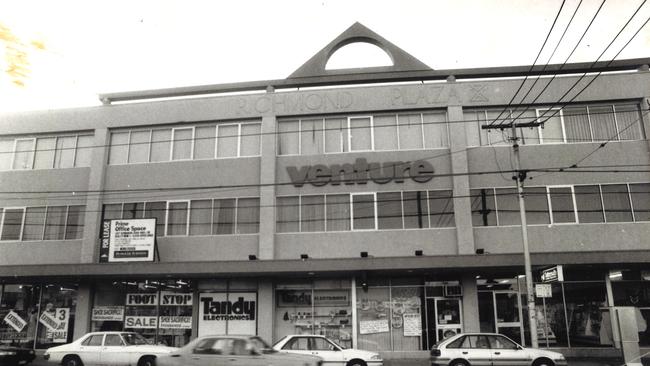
<point x="369" y="205"/>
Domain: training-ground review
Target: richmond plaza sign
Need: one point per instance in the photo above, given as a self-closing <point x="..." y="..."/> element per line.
<point x="360" y="172"/>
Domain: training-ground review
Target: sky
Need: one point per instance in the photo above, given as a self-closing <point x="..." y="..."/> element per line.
<point x="62" y="54"/>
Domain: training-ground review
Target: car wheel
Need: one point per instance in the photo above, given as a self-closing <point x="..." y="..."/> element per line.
<point x="458" y="363"/>
<point x="71" y="360"/>
<point x="356" y="362"/>
<point x="147" y="361"/>
<point x="543" y="362"/>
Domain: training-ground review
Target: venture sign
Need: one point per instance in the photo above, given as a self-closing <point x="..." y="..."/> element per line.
<point x="361" y="172"/>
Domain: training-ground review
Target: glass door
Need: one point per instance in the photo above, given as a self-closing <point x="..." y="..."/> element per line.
<point x="448" y="317"/>
<point x="508" y="314"/>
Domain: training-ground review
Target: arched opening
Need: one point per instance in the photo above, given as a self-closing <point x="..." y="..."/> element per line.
<point x="358" y="55"/>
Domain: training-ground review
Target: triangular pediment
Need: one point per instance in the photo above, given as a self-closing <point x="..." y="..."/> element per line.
<point x="402" y="60"/>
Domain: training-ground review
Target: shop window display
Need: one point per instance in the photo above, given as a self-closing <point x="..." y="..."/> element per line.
<point x="635" y="292"/>
<point x="21" y="301"/>
<point x="309" y="309"/>
<point x="57" y="314"/>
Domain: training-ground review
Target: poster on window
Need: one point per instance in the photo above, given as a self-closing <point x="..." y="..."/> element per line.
<point x="228" y="313"/>
<point x="130" y="240"/>
<point x="175" y="322"/>
<point x="108" y="313"/>
<point x="373" y="326"/>
<point x="15" y="321"/>
<point x="412" y="325"/>
<point x="60" y="334"/>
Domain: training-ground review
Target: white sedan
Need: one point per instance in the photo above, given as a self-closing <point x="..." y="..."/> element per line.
<point x="477" y="349"/>
<point x="107" y="348"/>
<point x="328" y="350"/>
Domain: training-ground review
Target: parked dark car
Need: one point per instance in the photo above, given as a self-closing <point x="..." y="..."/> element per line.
<point x="14" y="356"/>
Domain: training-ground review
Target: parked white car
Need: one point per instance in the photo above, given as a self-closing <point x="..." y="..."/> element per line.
<point x="328" y="350"/>
<point x="107" y="348"/>
<point x="477" y="349"/>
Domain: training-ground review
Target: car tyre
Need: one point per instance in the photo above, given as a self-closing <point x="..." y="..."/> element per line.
<point x="356" y="362"/>
<point x="147" y="361"/>
<point x="459" y="363"/>
<point x="543" y="362"/>
<point x="71" y="360"/>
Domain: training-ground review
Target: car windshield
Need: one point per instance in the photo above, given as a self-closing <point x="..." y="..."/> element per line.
<point x="261" y="345"/>
<point x="134" y="339"/>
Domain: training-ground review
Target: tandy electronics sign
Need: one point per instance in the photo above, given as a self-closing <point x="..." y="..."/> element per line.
<point x="361" y="172"/>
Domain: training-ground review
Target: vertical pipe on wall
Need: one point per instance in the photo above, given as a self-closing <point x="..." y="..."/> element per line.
<point x="353" y="300"/>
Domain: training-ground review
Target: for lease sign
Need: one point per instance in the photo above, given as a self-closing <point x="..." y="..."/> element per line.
<point x="132" y="240"/>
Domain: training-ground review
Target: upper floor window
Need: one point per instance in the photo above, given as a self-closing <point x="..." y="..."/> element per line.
<point x="566" y="204"/>
<point x="213" y="141"/>
<point x="571" y="124"/>
<point x="42" y="223"/>
<point x="365" y="211"/>
<point x="46" y="152"/>
<point x="222" y="216"/>
<point x="380" y="132"/>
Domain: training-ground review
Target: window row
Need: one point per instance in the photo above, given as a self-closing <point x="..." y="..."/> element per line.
<point x="404" y="131"/>
<point x="42" y="223"/>
<point x="50" y="152"/>
<point x="571" y="124"/>
<point x="365" y="211"/>
<point x="562" y="204"/>
<point x="227" y="140"/>
<point x="196" y="217"/>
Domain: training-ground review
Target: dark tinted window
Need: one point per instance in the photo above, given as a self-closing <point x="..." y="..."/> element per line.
<point x="94" y="340"/>
<point x="456" y="343"/>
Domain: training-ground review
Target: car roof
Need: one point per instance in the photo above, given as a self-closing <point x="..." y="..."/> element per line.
<point x="238" y="336"/>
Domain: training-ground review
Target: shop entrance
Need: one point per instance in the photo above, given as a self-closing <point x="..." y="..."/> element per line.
<point x="500" y="311"/>
<point x="445" y="318"/>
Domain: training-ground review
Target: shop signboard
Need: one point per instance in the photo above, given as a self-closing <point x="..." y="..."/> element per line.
<point x="15" y="321"/>
<point x="331" y="298"/>
<point x="142" y="299"/>
<point x="373" y="326"/>
<point x="412" y="325"/>
<point x="293" y="298"/>
<point x="140" y="322"/>
<point x="543" y="290"/>
<point x="227" y="313"/>
<point x="130" y="240"/>
<point x="553" y="274"/>
<point x="168" y="298"/>
<point x="175" y="322"/>
<point x="60" y="334"/>
<point x="108" y="313"/>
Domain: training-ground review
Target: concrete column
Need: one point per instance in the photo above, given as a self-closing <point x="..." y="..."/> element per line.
<point x="459" y="165"/>
<point x="267" y="189"/>
<point x="471" y="321"/>
<point x="265" y="310"/>
<point x="92" y="220"/>
<point x="83" y="310"/>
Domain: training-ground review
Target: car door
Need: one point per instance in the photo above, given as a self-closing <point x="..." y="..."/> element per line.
<point x="90" y="349"/>
<point x="328" y="351"/>
<point x="506" y="352"/>
<point x="213" y="351"/>
<point x="114" y="352"/>
<point x="242" y="354"/>
<point x="473" y="348"/>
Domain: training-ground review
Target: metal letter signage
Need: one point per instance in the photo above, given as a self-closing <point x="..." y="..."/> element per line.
<point x="361" y="172"/>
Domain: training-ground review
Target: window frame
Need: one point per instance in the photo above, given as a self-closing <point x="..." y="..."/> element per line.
<point x="372" y="133"/>
<point x="561" y="115"/>
<point x="236" y="217"/>
<point x="374" y="195"/>
<point x="216" y="144"/>
<point x="32" y="151"/>
<point x="22" y="223"/>
<point x="128" y="152"/>
<point x="173" y="140"/>
<point x="239" y="136"/>
<point x="187" y="219"/>
<point x="397" y="126"/>
<point x="573" y="199"/>
<point x="74" y="151"/>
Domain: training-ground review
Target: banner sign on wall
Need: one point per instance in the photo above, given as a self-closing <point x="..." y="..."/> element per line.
<point x="140" y="322"/>
<point x="223" y="313"/>
<point x="145" y="299"/>
<point x="175" y="322"/>
<point x="168" y="298"/>
<point x="15" y="321"/>
<point x="108" y="313"/>
<point x="130" y="240"/>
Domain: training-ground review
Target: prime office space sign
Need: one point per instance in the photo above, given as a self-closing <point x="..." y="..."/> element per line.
<point x="132" y="240"/>
<point x="361" y="172"/>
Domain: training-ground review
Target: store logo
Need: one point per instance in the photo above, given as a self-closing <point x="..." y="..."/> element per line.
<point x="227" y="310"/>
<point x="361" y="172"/>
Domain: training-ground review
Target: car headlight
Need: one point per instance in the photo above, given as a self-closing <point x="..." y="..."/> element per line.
<point x="7" y="353"/>
<point x="375" y="357"/>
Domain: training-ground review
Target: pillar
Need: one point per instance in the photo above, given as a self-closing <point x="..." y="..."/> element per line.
<point x="267" y="189"/>
<point x="471" y="321"/>
<point x="265" y="311"/>
<point x="83" y="310"/>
